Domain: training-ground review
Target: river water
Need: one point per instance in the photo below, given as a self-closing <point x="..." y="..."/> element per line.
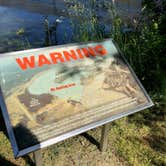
<point x="38" y="23"/>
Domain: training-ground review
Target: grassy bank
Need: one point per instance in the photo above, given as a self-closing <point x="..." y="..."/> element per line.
<point x="139" y="139"/>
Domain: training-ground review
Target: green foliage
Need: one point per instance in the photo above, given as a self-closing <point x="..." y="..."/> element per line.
<point x="142" y="42"/>
<point x="20" y="41"/>
<point x="142" y="141"/>
<point x="85" y="24"/>
<point x="144" y="47"/>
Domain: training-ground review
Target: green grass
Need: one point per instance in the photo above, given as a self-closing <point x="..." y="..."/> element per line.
<point x="140" y="144"/>
<point x="134" y="140"/>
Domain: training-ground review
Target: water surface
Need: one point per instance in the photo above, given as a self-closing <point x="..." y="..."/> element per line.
<point x="34" y="17"/>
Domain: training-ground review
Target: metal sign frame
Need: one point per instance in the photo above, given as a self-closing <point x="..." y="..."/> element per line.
<point x="18" y="153"/>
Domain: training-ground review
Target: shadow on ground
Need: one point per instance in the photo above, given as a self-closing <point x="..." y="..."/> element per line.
<point x="2" y="124"/>
<point x="91" y="139"/>
<point x="5" y="162"/>
<point x="29" y="140"/>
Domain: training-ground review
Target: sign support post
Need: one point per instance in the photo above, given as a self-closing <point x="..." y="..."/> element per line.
<point x="104" y="137"/>
<point x="37" y="156"/>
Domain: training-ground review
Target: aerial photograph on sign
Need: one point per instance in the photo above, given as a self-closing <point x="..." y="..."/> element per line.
<point x="51" y="91"/>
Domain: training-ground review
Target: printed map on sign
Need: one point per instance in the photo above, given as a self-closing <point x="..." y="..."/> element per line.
<point x="51" y="91"/>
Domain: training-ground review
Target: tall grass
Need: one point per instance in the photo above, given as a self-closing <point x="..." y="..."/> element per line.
<point x="141" y="41"/>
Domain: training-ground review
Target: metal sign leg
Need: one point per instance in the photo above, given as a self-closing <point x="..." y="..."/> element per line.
<point x="104" y="138"/>
<point x="37" y="155"/>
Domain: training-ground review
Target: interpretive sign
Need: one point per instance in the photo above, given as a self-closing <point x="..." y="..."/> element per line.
<point x="53" y="93"/>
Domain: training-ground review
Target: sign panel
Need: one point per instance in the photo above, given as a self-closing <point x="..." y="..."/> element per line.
<point x="53" y="93"/>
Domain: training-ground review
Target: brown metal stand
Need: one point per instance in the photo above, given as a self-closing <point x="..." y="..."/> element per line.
<point x="37" y="155"/>
<point x="104" y="138"/>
